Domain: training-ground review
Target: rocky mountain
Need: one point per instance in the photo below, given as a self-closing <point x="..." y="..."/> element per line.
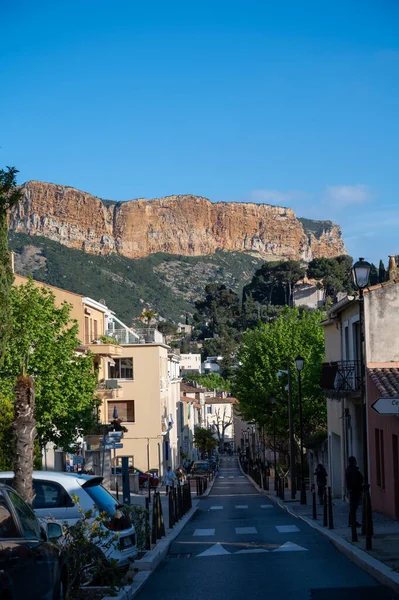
<point x="177" y="225"/>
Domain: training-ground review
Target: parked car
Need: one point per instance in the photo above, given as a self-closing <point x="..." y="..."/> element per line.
<point x="200" y="467"/>
<point x="53" y="498"/>
<point x="145" y="479"/>
<point x="32" y="565"/>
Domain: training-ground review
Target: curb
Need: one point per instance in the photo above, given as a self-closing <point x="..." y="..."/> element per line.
<point x="131" y="591"/>
<point x="371" y="565"/>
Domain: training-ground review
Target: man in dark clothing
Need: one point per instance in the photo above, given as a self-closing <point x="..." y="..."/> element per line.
<point x="354" y="484"/>
<point x="321" y="480"/>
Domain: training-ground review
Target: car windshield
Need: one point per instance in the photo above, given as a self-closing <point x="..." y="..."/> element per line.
<point x="103" y="499"/>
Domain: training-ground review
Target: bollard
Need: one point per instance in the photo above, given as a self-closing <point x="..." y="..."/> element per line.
<point x="189" y="495"/>
<point x="154" y="533"/>
<point x="282" y="488"/>
<point x="325" y="508"/>
<point x="161" y="524"/>
<point x="180" y="501"/>
<point x="117" y="490"/>
<point x="176" y="509"/>
<point x="197" y="484"/>
<point x="171" y="511"/>
<point x="330" y="510"/>
<point x="314" y="516"/>
<point x="148" y="526"/>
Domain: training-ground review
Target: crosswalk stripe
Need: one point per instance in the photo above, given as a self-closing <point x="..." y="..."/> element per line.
<point x="203" y="532"/>
<point x="216" y="508"/>
<point x="287" y="528"/>
<point x="246" y="530"/>
<point x="241" y="505"/>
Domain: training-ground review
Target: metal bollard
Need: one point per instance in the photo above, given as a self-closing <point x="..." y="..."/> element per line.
<point x="161" y="522"/>
<point x="148" y="526"/>
<point x="325" y="509"/>
<point x="171" y="511"/>
<point x="154" y="533"/>
<point x="314" y="516"/>
<point x="330" y="510"/>
<point x="176" y="510"/>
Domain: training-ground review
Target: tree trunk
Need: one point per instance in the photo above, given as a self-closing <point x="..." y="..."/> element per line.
<point x="24" y="429"/>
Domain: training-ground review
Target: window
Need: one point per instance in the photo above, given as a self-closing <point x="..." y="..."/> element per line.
<point x="379" y="458"/>
<point x="29" y="523"/>
<point x="209" y="409"/>
<point x="50" y="495"/>
<point x="125" y="410"/>
<point x="7" y="525"/>
<point x="122" y="369"/>
<point x="95" y="326"/>
<point x="103" y="499"/>
<point x="87" y="335"/>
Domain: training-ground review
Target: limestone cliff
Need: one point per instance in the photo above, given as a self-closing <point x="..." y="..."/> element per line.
<point x="183" y="225"/>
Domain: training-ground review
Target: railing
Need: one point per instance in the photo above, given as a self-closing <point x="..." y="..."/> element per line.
<point x="138" y="336"/>
<point x="343" y="377"/>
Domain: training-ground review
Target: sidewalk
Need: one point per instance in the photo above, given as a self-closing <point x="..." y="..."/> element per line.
<point x="382" y="562"/>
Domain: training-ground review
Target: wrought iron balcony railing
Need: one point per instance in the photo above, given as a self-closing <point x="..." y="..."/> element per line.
<point x="341" y="377"/>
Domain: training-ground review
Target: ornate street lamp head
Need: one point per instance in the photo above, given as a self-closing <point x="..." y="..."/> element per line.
<point x="299" y="363"/>
<point x="361" y="274"/>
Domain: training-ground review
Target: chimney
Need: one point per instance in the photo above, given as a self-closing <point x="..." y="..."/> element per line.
<point x="12" y="261"/>
<point x="392" y="268"/>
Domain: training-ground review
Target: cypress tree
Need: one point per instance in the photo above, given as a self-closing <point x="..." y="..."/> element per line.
<point x="9" y="197"/>
<point x="382" y="274"/>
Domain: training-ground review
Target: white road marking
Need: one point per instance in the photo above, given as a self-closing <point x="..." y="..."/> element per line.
<point x="216" y="550"/>
<point x="266" y="505"/>
<point x="231" y="476"/>
<point x="251" y="551"/>
<point x="216" y="508"/>
<point x="287" y="528"/>
<point x="245" y="530"/>
<point x="221" y="476"/>
<point x="241" y="505"/>
<point x="203" y="532"/>
<point x="290" y="547"/>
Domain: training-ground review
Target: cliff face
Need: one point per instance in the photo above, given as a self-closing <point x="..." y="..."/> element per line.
<point x="185" y="225"/>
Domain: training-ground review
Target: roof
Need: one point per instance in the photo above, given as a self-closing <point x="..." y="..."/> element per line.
<point x="190" y="389"/>
<point x="186" y="399"/>
<point x="219" y="400"/>
<point x="386" y="381"/>
<point x="348" y="299"/>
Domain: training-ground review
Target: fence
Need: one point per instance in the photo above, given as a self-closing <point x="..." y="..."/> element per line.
<point x="179" y="503"/>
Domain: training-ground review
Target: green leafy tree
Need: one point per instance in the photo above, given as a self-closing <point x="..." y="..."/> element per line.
<point x="167" y="329"/>
<point x="218" y="311"/>
<point x="9" y="197"/>
<point x="204" y="440"/>
<point x="335" y="272"/>
<point x="42" y="347"/>
<point x="374" y="276"/>
<point x="273" y="283"/>
<point x="211" y="381"/>
<point x="263" y="353"/>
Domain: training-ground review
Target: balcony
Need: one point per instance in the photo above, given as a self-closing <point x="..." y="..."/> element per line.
<point x="138" y="336"/>
<point x="105" y="349"/>
<point x="110" y="390"/>
<point x="341" y="378"/>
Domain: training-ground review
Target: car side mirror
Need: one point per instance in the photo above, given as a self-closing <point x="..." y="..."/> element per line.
<point x="54" y="531"/>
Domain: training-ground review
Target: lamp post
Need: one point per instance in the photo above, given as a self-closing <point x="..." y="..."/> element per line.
<point x="360" y="273"/>
<point x="300" y="363"/>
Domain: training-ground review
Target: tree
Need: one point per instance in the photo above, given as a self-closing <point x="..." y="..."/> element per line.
<point x="222" y="422"/>
<point x="263" y="353"/>
<point x="210" y="381"/>
<point x="204" y="440"/>
<point x="147" y="316"/>
<point x="9" y="197"/>
<point x="336" y="274"/>
<point x="374" y="276"/>
<point x="382" y="274"/>
<point x="218" y="310"/>
<point x="273" y="283"/>
<point x="42" y="348"/>
<point x="167" y="329"/>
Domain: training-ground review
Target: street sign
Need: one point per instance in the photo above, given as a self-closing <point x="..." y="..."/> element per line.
<point x="113" y="446"/>
<point x="386" y="406"/>
<point x="78" y="460"/>
<point x="115" y="434"/>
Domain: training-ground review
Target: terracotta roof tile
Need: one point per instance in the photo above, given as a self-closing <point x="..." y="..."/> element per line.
<point x="386" y="381"/>
<point x="219" y="400"/>
<point x="185" y="387"/>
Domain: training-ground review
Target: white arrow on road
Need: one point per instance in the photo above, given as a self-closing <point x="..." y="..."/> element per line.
<point x="290" y="547"/>
<point x="386" y="406"/>
<point x="216" y="550"/>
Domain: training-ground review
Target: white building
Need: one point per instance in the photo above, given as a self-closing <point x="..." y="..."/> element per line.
<point x="190" y="362"/>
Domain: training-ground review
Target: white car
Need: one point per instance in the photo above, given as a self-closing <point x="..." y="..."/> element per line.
<point x="53" y="498"/>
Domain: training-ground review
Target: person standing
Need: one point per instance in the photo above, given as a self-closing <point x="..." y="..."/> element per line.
<point x="321" y="480"/>
<point x="354" y="485"/>
<point x="169" y="479"/>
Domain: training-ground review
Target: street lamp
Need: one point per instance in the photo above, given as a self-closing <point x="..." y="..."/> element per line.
<point x="361" y="273"/>
<point x="299" y="364"/>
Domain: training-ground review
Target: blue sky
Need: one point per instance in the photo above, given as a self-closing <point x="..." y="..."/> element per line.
<point x="278" y="101"/>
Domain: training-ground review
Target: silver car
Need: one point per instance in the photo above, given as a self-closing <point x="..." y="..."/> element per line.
<point x="53" y="498"/>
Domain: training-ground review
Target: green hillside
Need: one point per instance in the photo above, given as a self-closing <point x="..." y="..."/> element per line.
<point x="169" y="284"/>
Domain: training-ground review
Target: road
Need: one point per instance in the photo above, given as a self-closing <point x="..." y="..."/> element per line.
<point x="240" y="545"/>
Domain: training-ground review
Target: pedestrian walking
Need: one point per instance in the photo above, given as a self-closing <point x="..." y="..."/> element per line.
<point x="321" y="480"/>
<point x="169" y="479"/>
<point x="354" y="485"/>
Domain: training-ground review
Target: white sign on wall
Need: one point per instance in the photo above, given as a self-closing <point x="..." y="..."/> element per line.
<point x="386" y="406"/>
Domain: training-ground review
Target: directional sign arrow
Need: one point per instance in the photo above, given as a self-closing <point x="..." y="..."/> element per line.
<point x="386" y="406"/>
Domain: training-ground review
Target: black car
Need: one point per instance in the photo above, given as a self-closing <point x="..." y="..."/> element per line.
<point x="32" y="566"/>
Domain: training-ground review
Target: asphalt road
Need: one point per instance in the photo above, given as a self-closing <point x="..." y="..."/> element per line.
<point x="239" y="545"/>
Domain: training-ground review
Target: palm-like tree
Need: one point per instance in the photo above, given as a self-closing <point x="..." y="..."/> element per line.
<point x="148" y="316"/>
